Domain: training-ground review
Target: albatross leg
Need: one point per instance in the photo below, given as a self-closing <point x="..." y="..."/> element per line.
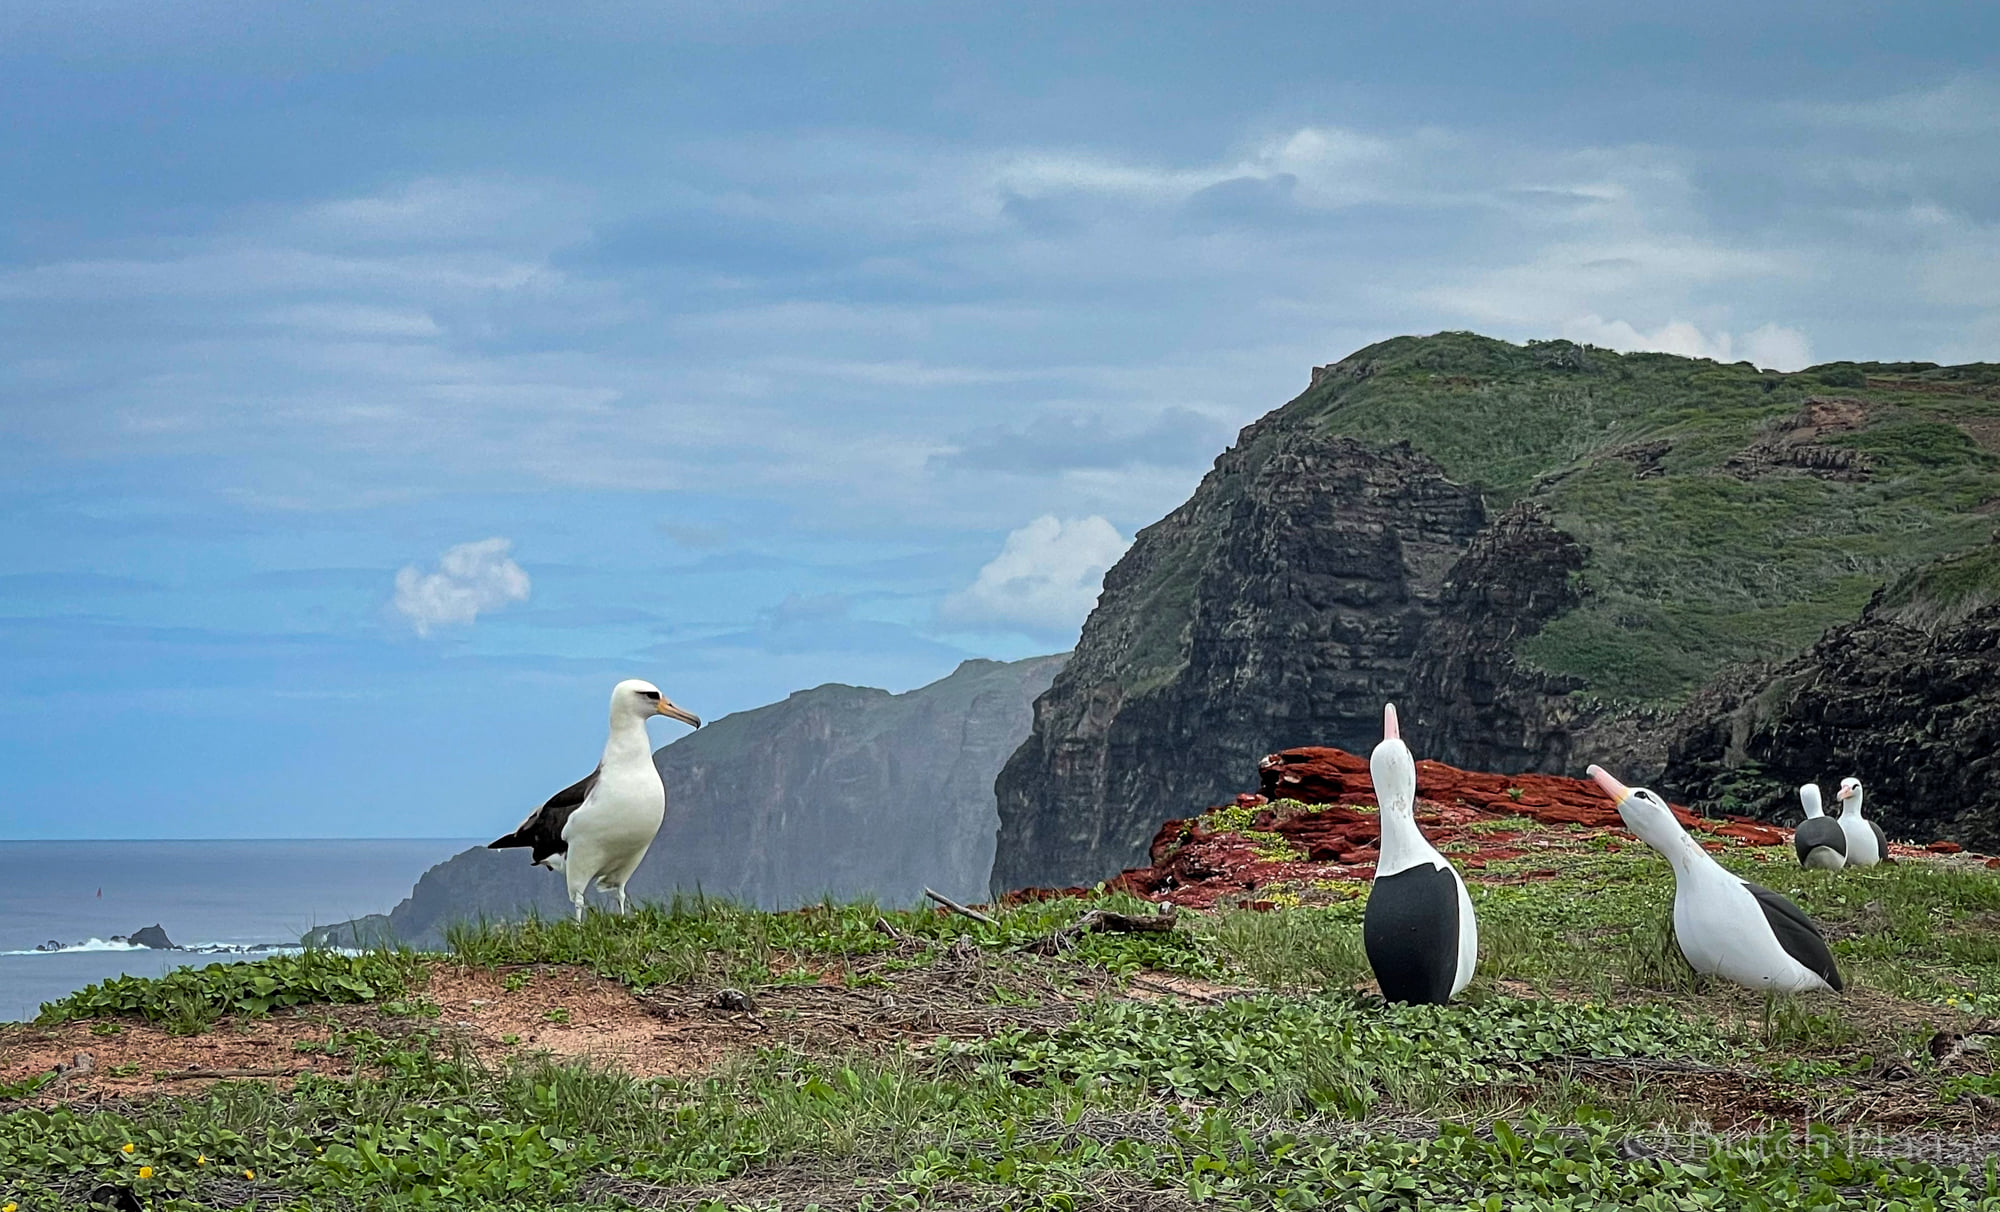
<point x="577" y="886"/>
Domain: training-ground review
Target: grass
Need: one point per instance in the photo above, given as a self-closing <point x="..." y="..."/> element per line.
<point x="188" y="1000"/>
<point x="1585" y="1068"/>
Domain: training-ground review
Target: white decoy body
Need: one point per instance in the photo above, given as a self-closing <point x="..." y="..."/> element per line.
<point x="1725" y="925"/>
<point x="1819" y="839"/>
<point x="1865" y="844"/>
<point x="599" y="829"/>
<point x="1418" y="929"/>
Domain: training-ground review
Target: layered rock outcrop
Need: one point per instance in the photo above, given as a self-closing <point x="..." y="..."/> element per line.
<point x="1281" y="605"/>
<point x="1470" y="695"/>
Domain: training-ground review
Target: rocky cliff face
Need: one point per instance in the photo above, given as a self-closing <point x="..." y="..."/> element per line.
<point x="842" y="791"/>
<point x="1282" y="604"/>
<point x="1540" y="552"/>
<point x="1470" y="696"/>
<point x="1913" y="711"/>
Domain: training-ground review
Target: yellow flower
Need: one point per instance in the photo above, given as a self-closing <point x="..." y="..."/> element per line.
<point x="129" y="1146"/>
<point x="145" y="1172"/>
<point x="11" y="1208"/>
<point x="249" y="1174"/>
<point x="201" y="1159"/>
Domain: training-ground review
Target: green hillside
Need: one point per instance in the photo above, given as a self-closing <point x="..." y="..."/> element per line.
<point x="1720" y="528"/>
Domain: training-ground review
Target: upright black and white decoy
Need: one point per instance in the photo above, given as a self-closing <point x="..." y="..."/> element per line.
<point x="1725" y="925"/>
<point x="1418" y="930"/>
<point x="1866" y="846"/>
<point x="1819" y="839"/>
<point x="597" y="830"/>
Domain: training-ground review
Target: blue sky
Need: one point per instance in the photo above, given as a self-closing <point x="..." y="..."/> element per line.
<point x="379" y="383"/>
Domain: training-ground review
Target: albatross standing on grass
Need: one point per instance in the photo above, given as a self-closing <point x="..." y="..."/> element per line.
<point x="1820" y="840"/>
<point x="1865" y="844"/>
<point x="1725" y="925"/>
<point x="598" y="830"/>
<point x="1418" y="929"/>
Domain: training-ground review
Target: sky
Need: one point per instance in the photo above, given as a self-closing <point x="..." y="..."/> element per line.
<point x="380" y="383"/>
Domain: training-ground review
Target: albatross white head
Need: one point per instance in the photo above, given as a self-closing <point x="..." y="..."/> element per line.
<point x="1393" y="770"/>
<point x="1850" y="797"/>
<point x="634" y="700"/>
<point x="1649" y="818"/>
<point x="1809" y="797"/>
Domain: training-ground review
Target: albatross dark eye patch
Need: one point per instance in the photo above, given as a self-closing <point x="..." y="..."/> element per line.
<point x="649" y="694"/>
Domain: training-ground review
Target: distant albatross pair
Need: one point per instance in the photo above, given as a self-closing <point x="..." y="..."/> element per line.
<point x="1830" y="844"/>
<point x="597" y="830"/>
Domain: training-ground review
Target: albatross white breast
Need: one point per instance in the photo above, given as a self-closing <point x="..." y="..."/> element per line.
<point x="598" y="829"/>
<point x="1726" y="926"/>
<point x="1865" y="844"/>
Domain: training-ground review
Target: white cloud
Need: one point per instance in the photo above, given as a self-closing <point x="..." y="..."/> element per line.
<point x="1332" y="165"/>
<point x="1772" y="346"/>
<point x="471" y="578"/>
<point x="1046" y="577"/>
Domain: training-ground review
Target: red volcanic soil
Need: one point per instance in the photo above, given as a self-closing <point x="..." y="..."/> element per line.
<point x="1321" y="803"/>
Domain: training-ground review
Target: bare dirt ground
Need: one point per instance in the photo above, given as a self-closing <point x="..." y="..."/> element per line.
<point x="673" y="1031"/>
<point x="563" y="1011"/>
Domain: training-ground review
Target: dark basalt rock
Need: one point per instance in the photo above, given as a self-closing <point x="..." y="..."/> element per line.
<point x="1912" y="711"/>
<point x="152" y="936"/>
<point x="1474" y="703"/>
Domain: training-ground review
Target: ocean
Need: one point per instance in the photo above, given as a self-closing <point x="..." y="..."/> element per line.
<point x="233" y="892"/>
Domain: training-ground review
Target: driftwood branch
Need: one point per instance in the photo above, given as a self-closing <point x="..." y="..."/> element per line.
<point x="1104" y="921"/>
<point x="184" y="1074"/>
<point x="959" y="909"/>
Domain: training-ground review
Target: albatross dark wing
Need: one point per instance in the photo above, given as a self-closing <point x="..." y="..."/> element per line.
<point x="1796" y="934"/>
<point x="1819" y="833"/>
<point x="543" y="830"/>
<point x="1881" y="843"/>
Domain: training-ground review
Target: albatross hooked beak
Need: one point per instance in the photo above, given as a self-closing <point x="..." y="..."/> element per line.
<point x="1610" y="786"/>
<point x="674" y="713"/>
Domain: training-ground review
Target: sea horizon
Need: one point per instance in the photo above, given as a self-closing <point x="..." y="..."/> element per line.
<point x="234" y="892"/>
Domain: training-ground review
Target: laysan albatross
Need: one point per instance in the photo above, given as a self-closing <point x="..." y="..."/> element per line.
<point x="1819" y="839"/>
<point x="598" y="829"/>
<point x="1866" y="846"/>
<point x="1725" y="925"/>
<point x="1418" y="930"/>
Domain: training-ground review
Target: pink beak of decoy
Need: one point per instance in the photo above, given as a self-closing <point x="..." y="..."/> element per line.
<point x="1610" y="786"/>
<point x="1389" y="730"/>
